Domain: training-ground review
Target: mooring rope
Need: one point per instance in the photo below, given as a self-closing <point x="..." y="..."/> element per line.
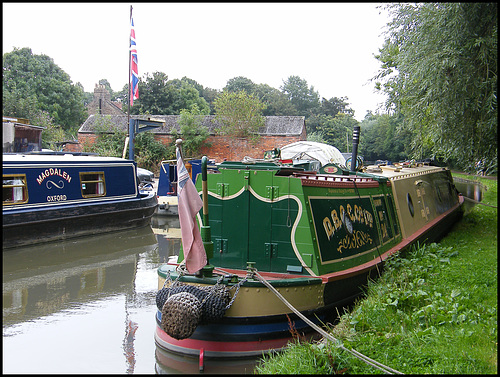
<point x="475" y="201"/>
<point x="327" y="335"/>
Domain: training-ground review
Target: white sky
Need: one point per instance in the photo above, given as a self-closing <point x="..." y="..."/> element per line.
<point x="330" y="45"/>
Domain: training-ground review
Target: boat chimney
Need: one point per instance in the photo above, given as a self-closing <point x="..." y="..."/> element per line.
<point x="355" y="142"/>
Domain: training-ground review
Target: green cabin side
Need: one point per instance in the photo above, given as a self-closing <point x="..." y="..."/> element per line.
<point x="287" y="224"/>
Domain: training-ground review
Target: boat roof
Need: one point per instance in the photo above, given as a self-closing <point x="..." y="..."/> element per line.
<point x="393" y="172"/>
<point x="304" y="150"/>
<point x="57" y="158"/>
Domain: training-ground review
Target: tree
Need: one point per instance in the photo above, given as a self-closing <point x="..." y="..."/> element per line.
<point x="240" y="83"/>
<point x="276" y="102"/>
<point x="149" y="152"/>
<point x="110" y="139"/>
<point x="190" y="100"/>
<point x="38" y="83"/>
<point x="305" y="99"/>
<point x="439" y="69"/>
<point x="240" y="114"/>
<point x="155" y="96"/>
<point x="384" y="138"/>
<point x="336" y="131"/>
<point x="210" y="95"/>
<point x="193" y="133"/>
<point x="335" y="105"/>
<point x="159" y="95"/>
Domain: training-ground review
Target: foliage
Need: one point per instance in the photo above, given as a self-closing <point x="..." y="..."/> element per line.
<point x="276" y="103"/>
<point x="316" y="136"/>
<point x="159" y="95"/>
<point x="433" y="310"/>
<point x="439" y="69"/>
<point x="53" y="135"/>
<point x="304" y="98"/>
<point x="334" y="106"/>
<point x="193" y="133"/>
<point x="238" y="84"/>
<point x="239" y="114"/>
<point x="110" y="139"/>
<point x="210" y="95"/>
<point x="149" y="152"/>
<point x="384" y="138"/>
<point x="334" y="130"/>
<point x="301" y="358"/>
<point x="34" y="82"/>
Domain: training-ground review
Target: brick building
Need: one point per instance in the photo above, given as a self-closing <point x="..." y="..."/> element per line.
<point x="277" y="132"/>
<point x="102" y="104"/>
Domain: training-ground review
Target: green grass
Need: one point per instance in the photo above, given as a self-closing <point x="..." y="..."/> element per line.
<point x="434" y="310"/>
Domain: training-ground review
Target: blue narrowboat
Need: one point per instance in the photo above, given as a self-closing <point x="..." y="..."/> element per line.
<point x="48" y="197"/>
<point x="167" y="183"/>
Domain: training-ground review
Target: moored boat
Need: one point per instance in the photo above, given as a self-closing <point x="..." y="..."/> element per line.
<point x="52" y="196"/>
<point x="167" y="184"/>
<point x="315" y="237"/>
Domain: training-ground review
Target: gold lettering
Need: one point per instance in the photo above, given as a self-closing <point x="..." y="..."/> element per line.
<point x="349" y="212"/>
<point x="336" y="220"/>
<point x="327" y="224"/>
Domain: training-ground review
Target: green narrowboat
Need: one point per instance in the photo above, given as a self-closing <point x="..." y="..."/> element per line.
<point x="315" y="236"/>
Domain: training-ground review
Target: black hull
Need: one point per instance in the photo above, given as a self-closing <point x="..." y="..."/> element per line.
<point x="46" y="225"/>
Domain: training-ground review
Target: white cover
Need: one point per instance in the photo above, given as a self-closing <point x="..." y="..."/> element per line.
<point x="307" y="150"/>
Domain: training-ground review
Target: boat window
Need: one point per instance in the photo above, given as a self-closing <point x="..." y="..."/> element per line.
<point x="410" y="204"/>
<point x="92" y="184"/>
<point x="15" y="190"/>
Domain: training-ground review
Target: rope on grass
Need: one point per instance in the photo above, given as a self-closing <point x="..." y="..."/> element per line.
<point x="475" y="201"/>
<point x="327" y="335"/>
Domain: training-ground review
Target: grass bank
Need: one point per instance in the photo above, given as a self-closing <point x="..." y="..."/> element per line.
<point x="433" y="311"/>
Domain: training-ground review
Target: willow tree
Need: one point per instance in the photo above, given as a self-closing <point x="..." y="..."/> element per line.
<point x="439" y="70"/>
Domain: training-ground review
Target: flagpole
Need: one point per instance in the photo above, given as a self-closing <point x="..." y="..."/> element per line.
<point x="129" y="71"/>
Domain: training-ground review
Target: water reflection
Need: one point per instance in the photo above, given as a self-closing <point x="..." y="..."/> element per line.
<point x="88" y="305"/>
<point x="84" y="305"/>
<point x="469" y="189"/>
<point x="45" y="279"/>
<point x="172" y="363"/>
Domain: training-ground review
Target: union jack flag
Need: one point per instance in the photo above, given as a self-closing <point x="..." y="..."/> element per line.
<point x="134" y="73"/>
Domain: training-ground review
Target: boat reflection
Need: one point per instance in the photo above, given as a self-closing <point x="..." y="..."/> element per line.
<point x="48" y="278"/>
<point x="167" y="230"/>
<point x="469" y="189"/>
<point x="173" y="363"/>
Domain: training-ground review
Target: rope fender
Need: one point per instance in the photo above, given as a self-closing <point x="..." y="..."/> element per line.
<point x="183" y="306"/>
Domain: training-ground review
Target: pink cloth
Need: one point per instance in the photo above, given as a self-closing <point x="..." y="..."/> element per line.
<point x="189" y="205"/>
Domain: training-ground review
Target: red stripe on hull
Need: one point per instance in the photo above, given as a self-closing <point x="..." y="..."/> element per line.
<point x="219" y="349"/>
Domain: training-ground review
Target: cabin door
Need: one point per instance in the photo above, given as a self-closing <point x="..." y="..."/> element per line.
<point x="260" y="248"/>
<point x="229" y="222"/>
<point x="271" y="216"/>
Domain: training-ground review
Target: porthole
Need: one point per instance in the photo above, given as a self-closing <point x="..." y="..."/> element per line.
<point x="410" y="204"/>
<point x="347" y="223"/>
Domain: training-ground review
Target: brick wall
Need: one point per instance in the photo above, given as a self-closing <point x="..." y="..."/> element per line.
<point x="222" y="147"/>
<point x="231" y="148"/>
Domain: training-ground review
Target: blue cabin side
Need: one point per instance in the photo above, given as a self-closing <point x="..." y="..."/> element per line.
<point x="167" y="181"/>
<point x="66" y="180"/>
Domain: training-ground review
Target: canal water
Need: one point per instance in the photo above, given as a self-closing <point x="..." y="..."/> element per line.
<point x="470" y="189"/>
<point x="88" y="306"/>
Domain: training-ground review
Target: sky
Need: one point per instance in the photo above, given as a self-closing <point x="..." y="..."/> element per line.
<point x="330" y="45"/>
